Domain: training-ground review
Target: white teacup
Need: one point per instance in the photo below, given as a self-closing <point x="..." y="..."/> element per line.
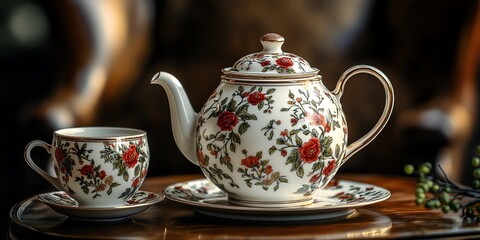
<point x="96" y="166"/>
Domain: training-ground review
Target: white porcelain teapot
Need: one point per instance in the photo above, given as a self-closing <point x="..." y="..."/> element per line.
<point x="271" y="134"/>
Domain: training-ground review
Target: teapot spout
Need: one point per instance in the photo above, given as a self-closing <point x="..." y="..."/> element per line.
<point x="183" y="117"/>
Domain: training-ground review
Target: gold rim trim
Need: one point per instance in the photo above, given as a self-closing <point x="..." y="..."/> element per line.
<point x="274" y="76"/>
<point x="136" y="134"/>
<point x="266" y="81"/>
<point x="106" y="139"/>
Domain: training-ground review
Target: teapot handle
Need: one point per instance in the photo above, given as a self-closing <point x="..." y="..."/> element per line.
<point x="387" y="111"/>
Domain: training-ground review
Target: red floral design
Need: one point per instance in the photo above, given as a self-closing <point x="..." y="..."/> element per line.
<point x="130" y="156"/>
<point x="329" y="168"/>
<point x="135" y="182"/>
<point x="314" y="178"/>
<point x="227" y="120"/>
<point x="214" y="153"/>
<point x="284" y="62"/>
<point x="86" y="170"/>
<point x="245" y="94"/>
<point x="100" y="188"/>
<point x="268" y="169"/>
<point x="102" y="175"/>
<point x="317" y="119"/>
<point x="293" y="121"/>
<point x="310" y="150"/>
<point x="59" y="155"/>
<point x="250" y="161"/>
<point x="327" y="128"/>
<point x="284" y="153"/>
<point x="201" y="158"/>
<point x="256" y="98"/>
<point x="265" y="63"/>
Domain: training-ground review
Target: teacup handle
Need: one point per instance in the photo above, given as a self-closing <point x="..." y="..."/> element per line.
<point x="28" y="158"/>
<point x="387" y="111"/>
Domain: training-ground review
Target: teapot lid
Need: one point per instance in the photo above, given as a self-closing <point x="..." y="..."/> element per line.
<point x="271" y="62"/>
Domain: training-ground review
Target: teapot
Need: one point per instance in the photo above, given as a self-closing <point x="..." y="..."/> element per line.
<point x="271" y="134"/>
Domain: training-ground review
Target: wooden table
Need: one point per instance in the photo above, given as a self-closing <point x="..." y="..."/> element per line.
<point x="397" y="217"/>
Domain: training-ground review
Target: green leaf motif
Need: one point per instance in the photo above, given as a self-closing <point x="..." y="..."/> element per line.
<point x="272" y="150"/>
<point x="293" y="157"/>
<point x="235" y="138"/>
<point x="337" y="151"/>
<point x="85" y="189"/>
<point x="300" y="172"/>
<point x="298" y="141"/>
<point x="242" y="110"/>
<point x="137" y="170"/>
<point x="260" y="105"/>
<point x="242" y="128"/>
<point x="248" y="116"/>
<point x="232" y="106"/>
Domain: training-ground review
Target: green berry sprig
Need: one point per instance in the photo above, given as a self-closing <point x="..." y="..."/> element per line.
<point x="439" y="192"/>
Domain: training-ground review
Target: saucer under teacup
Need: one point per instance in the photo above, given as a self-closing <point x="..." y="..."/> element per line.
<point x="62" y="203"/>
<point x="337" y="200"/>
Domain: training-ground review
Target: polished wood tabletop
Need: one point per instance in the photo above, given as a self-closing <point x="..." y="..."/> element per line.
<point x="396" y="217"/>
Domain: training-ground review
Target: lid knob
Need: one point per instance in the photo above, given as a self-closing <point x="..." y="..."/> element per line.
<point x="272" y="43"/>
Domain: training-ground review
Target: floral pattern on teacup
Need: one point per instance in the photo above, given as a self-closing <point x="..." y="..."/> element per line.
<point x="93" y="177"/>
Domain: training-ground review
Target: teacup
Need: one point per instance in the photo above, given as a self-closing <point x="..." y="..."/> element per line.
<point x="96" y="166"/>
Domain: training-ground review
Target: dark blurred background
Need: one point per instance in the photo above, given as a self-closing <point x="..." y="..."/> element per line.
<point x="81" y="63"/>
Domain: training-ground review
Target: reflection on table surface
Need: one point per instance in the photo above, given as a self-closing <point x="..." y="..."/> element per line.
<point x="395" y="217"/>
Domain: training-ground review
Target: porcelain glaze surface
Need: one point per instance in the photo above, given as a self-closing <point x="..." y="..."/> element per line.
<point x="271" y="134"/>
<point x="62" y="203"/>
<point x="97" y="166"/>
<point x="339" y="198"/>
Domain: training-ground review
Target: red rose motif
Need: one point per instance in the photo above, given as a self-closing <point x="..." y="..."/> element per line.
<point x="245" y="94"/>
<point x="227" y="120"/>
<point x="283" y="152"/>
<point x="201" y="159"/>
<point x="317" y="119"/>
<point x="265" y="63"/>
<point x="256" y="98"/>
<point x="314" y="178"/>
<point x="59" y="155"/>
<point x="214" y="153"/>
<point x="310" y="150"/>
<point x="293" y="121"/>
<point x="268" y="169"/>
<point x="86" y="170"/>
<point x="284" y="62"/>
<point x="102" y="175"/>
<point x="327" y="128"/>
<point x="329" y="168"/>
<point x="135" y="182"/>
<point x="130" y="156"/>
<point x="250" y="161"/>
